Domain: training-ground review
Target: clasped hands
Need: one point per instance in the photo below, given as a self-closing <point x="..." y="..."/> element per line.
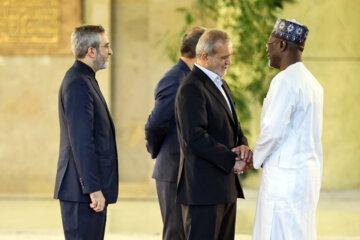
<point x="244" y="159"/>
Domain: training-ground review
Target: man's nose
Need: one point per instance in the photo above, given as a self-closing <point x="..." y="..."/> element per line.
<point x="228" y="61"/>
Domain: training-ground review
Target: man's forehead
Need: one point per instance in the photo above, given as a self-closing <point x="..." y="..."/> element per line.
<point x="222" y="44"/>
<point x="272" y="37"/>
<point x="103" y="38"/>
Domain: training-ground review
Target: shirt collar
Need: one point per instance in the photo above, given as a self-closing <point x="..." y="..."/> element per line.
<point x="213" y="76"/>
<point x="86" y="69"/>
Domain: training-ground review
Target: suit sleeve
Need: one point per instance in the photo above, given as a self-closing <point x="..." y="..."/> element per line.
<point x="157" y="124"/>
<point x="277" y="109"/>
<point x="191" y="115"/>
<point x="241" y="137"/>
<point x="79" y="112"/>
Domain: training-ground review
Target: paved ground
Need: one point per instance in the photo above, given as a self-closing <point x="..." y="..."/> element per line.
<point x="138" y="217"/>
<point x="114" y="236"/>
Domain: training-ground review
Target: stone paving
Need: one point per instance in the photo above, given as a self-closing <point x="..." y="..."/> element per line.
<point x="44" y="235"/>
<point x="135" y="218"/>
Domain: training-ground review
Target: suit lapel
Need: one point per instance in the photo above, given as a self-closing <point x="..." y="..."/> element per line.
<point x="228" y="93"/>
<point x="215" y="91"/>
<point x="98" y="91"/>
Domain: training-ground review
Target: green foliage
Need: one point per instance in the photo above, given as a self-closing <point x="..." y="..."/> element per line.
<point x="249" y="24"/>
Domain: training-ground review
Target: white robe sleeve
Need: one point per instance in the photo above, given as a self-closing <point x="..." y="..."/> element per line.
<point x="275" y="118"/>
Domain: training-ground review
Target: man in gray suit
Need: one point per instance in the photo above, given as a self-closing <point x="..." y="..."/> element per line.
<point x="162" y="139"/>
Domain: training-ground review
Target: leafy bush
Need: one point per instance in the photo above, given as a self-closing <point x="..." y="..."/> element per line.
<point x="249" y="24"/>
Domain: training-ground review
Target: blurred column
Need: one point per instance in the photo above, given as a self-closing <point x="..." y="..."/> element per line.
<point x="99" y="12"/>
<point x="138" y="30"/>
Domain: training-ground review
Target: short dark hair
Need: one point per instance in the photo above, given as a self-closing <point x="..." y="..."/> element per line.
<point x="84" y="37"/>
<point x="190" y="40"/>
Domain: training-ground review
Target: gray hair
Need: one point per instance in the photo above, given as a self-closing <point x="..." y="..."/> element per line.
<point x="84" y="37"/>
<point x="208" y="40"/>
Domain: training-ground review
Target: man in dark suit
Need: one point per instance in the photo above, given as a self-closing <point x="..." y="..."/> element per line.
<point x="162" y="140"/>
<point x="87" y="172"/>
<point x="209" y="135"/>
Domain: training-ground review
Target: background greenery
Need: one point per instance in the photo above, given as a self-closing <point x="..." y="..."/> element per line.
<point x="249" y="24"/>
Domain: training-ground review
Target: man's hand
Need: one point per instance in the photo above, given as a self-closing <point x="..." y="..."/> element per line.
<point x="244" y="153"/>
<point x="97" y="201"/>
<point x="244" y="160"/>
<point x="239" y="167"/>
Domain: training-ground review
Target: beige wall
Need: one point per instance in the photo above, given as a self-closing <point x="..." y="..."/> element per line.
<point x="28" y="122"/>
<point x="29" y="132"/>
<point x="99" y="12"/>
<point x="138" y="26"/>
<point x="333" y="55"/>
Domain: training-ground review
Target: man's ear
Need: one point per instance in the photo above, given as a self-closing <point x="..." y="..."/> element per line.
<point x="204" y="56"/>
<point x="91" y="52"/>
<point x="283" y="45"/>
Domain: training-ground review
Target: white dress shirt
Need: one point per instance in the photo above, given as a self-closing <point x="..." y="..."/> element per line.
<point x="217" y="81"/>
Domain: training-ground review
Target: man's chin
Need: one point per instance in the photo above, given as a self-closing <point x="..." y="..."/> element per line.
<point x="270" y="65"/>
<point x="104" y="66"/>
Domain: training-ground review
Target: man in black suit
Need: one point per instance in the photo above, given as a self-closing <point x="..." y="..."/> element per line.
<point x="87" y="172"/>
<point x="162" y="140"/>
<point x="209" y="135"/>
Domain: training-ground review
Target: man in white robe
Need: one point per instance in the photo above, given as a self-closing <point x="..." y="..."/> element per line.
<point x="289" y="146"/>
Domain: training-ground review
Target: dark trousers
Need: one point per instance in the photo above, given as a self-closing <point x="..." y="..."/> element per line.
<point x="170" y="211"/>
<point x="209" y="222"/>
<point x="80" y="222"/>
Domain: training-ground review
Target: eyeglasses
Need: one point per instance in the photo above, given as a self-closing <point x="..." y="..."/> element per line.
<point x="106" y="46"/>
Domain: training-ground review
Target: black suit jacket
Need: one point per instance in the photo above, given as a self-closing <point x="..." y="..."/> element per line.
<point x="207" y="132"/>
<point x="160" y="130"/>
<point x="88" y="157"/>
